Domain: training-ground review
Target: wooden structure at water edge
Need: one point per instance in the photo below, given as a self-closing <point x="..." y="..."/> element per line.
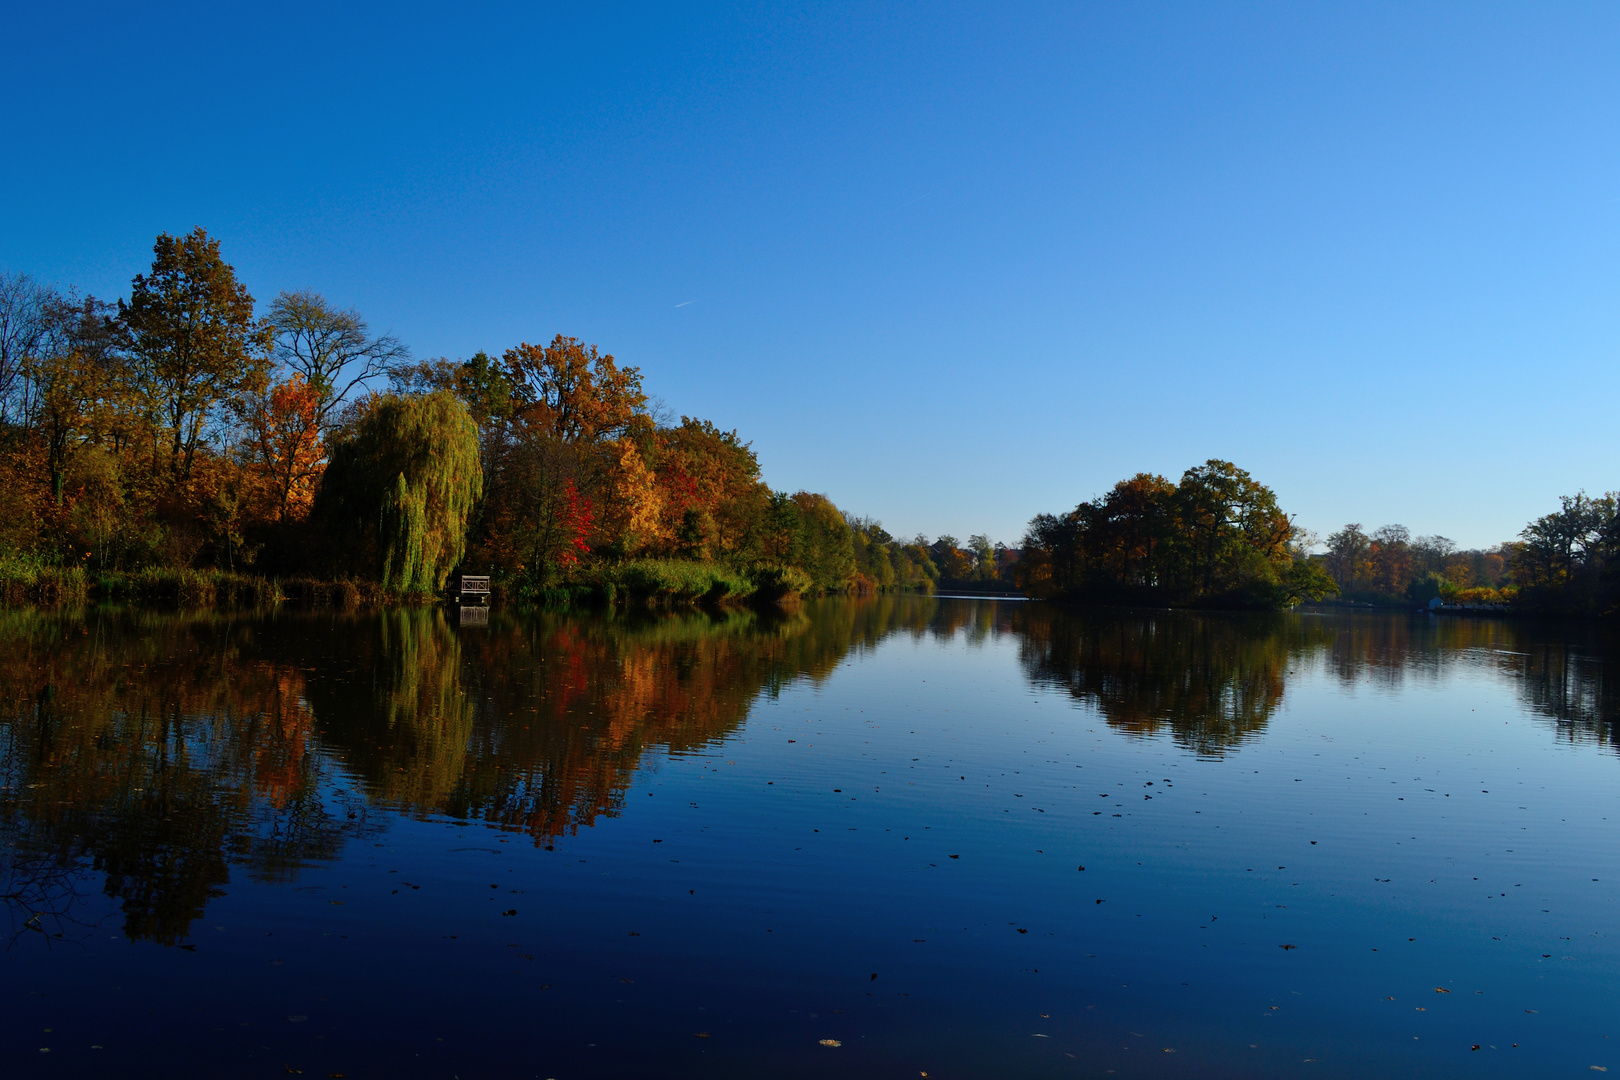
<point x="470" y="589"/>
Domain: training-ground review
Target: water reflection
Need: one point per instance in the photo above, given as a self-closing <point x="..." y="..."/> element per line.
<point x="165" y="752"/>
<point x="158" y="751"/>
<point x="1570" y="674"/>
<point x="154" y="755"/>
<point x="1210" y="681"/>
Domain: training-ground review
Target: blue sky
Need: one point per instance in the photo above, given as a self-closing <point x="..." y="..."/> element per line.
<point x="952" y="265"/>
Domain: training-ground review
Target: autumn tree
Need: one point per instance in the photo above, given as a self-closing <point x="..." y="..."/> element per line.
<point x="954" y="563"/>
<point x="284" y="433"/>
<point x="194" y="341"/>
<point x="1347" y="556"/>
<point x="332" y="350"/>
<point x="709" y="490"/>
<point x="70" y="378"/>
<point x="570" y="390"/>
<point x="1389" y="560"/>
<point x="1133" y="525"/>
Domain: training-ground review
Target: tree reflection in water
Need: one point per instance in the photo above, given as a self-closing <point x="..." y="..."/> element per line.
<point x="154" y="755"/>
<point x="1211" y="681"/>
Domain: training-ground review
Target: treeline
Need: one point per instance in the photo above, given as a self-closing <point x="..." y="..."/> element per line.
<point x="1392" y="567"/>
<point x="182" y="430"/>
<point x="1568" y="561"/>
<point x="1216" y="538"/>
<point x="1564" y="563"/>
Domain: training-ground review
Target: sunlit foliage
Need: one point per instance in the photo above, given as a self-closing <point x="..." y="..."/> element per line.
<point x="1215" y="538"/>
<point x="399" y="488"/>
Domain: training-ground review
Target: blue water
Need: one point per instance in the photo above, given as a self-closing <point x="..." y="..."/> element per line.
<point x="959" y="838"/>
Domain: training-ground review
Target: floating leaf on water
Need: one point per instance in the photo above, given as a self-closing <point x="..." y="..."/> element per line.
<point x="831" y="1042"/>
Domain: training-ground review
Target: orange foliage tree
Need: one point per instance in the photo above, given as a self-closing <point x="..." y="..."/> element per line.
<point x="285" y="436"/>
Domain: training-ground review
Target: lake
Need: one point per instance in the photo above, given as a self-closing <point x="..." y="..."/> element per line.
<point x="892" y="837"/>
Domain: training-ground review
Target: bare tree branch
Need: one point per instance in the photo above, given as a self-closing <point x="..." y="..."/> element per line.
<point x="333" y="350"/>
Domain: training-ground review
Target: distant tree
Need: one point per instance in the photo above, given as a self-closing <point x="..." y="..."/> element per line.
<point x="1347" y="556"/>
<point x="332" y="350"/>
<point x="826" y="548"/>
<point x="1390" y="559"/>
<point x="1131" y="530"/>
<point x="954" y="563"/>
<point x="195" y="343"/>
<point x="1217" y="537"/>
<point x="1569" y="560"/>
<point x="1430" y="555"/>
<point x="1231" y="525"/>
<point x="984" y="557"/>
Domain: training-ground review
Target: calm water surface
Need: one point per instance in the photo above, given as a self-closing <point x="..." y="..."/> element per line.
<point x="960" y="838"/>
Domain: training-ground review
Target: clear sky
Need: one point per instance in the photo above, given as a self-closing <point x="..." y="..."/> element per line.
<point x="952" y="265"/>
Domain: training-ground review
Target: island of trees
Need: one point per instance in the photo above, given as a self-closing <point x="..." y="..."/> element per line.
<point x="1216" y="538"/>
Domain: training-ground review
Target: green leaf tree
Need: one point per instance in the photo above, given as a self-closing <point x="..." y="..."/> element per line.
<point x="398" y="490"/>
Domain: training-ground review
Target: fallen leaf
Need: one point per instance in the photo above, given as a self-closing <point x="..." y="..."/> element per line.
<point x="831" y="1042"/>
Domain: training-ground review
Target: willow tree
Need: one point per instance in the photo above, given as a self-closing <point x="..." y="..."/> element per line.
<point x="398" y="488"/>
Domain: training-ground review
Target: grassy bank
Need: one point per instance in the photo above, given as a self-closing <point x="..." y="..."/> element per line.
<point x="28" y="581"/>
<point x="664" y="583"/>
<point x="645" y="582"/>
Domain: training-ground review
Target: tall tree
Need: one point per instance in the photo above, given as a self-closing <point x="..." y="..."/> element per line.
<point x="1228" y="519"/>
<point x="25" y="307"/>
<point x="573" y="392"/>
<point x="984" y="557"/>
<point x="195" y="342"/>
<point x="332" y="350"/>
<point x="71" y="379"/>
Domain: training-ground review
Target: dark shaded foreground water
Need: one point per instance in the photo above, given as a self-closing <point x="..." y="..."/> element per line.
<point x="885" y="838"/>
